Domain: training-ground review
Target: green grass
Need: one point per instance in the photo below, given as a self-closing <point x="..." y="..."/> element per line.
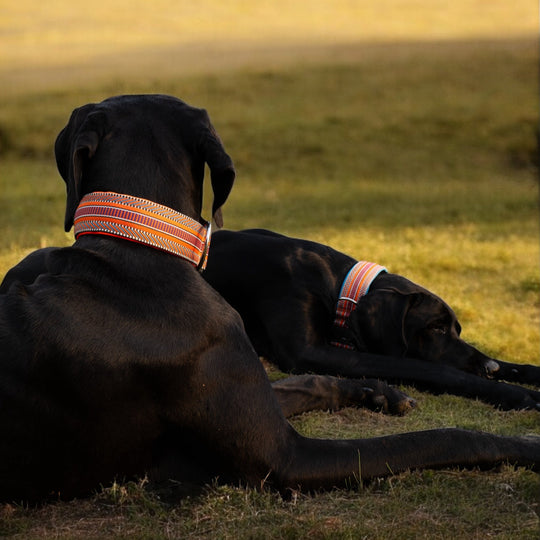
<point x="419" y="157"/>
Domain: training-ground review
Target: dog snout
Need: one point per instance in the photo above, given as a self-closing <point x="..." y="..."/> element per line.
<point x="491" y="367"/>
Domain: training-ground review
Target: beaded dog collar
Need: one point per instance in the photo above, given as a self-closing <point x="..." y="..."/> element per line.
<point x="145" y="222"/>
<point x="355" y="285"/>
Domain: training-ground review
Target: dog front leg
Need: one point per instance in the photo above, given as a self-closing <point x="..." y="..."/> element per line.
<point x="303" y="393"/>
<point x="243" y="433"/>
<point x="323" y="463"/>
<point x="427" y="376"/>
<point x="520" y="373"/>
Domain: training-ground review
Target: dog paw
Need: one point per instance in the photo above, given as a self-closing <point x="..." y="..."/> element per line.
<point x="517" y="398"/>
<point x="390" y="400"/>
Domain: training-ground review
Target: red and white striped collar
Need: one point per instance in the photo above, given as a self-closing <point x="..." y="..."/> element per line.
<point x="355" y="285"/>
<point x="146" y="222"/>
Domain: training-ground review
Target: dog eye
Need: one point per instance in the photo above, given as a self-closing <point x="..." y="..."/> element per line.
<point x="439" y="330"/>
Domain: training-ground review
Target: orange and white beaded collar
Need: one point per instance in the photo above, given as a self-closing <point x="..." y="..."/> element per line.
<point x="146" y="222"/>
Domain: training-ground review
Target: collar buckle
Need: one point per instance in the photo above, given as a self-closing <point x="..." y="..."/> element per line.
<point x="204" y="255"/>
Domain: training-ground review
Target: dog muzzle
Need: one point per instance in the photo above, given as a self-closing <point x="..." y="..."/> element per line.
<point x="145" y="222"/>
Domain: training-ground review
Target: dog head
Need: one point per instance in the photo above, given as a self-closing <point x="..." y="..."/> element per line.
<point x="399" y="318"/>
<point x="149" y="146"/>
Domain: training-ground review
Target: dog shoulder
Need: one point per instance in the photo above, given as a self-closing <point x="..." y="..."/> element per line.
<point x="28" y="269"/>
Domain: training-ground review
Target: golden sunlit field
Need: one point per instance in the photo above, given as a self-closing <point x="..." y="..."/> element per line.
<point x="398" y="132"/>
<point x="45" y="44"/>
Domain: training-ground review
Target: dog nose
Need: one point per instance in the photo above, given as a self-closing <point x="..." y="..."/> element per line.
<point x="491" y="367"/>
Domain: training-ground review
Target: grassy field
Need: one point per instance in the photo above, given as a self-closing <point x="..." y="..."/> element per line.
<point x="412" y="145"/>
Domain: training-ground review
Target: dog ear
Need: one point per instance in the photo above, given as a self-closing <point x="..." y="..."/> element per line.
<point x="383" y="320"/>
<point x="222" y="171"/>
<point x="74" y="147"/>
<point x="410" y="301"/>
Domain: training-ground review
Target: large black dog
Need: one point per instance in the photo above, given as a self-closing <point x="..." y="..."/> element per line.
<point x="287" y="290"/>
<point x="119" y="359"/>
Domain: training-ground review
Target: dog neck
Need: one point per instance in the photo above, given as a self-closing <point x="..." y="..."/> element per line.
<point x="144" y="222"/>
<point x="355" y="285"/>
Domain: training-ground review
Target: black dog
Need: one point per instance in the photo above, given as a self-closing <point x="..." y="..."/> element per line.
<point x="287" y="290"/>
<point x="120" y="359"/>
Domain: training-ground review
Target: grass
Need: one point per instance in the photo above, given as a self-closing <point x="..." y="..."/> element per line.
<point x="437" y="505"/>
<point x="420" y="156"/>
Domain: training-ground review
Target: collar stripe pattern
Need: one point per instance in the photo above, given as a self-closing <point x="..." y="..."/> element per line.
<point x="355" y="285"/>
<point x="145" y="222"/>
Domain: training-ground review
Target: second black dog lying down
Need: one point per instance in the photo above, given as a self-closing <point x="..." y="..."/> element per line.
<point x="287" y="290"/>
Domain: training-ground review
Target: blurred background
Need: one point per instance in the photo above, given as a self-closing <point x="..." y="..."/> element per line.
<point x="54" y="43"/>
